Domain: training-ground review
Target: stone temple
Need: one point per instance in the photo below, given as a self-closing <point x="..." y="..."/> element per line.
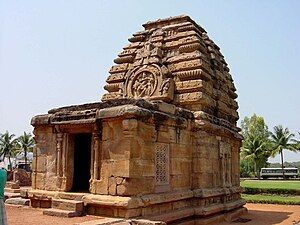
<point x="162" y="143"/>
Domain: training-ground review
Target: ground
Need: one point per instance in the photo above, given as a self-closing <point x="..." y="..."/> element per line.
<point x="260" y="214"/>
<point x="266" y="214"/>
<point x="18" y="215"/>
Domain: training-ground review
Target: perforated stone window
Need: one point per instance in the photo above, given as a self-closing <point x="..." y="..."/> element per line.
<point x="162" y="159"/>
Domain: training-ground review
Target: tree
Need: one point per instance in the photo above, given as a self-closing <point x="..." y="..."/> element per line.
<point x="282" y="139"/>
<point x="25" y="144"/>
<point x="256" y="149"/>
<point x="296" y="142"/>
<point x="246" y="168"/>
<point x="256" y="145"/>
<point x="254" y="126"/>
<point x="8" y="144"/>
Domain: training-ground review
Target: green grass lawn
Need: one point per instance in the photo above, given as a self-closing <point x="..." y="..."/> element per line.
<point x="272" y="199"/>
<point x="272" y="184"/>
<point x="272" y="191"/>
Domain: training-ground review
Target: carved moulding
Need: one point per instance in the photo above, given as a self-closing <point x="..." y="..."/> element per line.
<point x="149" y="82"/>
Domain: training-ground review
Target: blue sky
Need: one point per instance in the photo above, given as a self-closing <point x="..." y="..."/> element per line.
<point x="57" y="53"/>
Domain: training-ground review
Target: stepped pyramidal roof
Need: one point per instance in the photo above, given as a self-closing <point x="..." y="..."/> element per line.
<point x="173" y="60"/>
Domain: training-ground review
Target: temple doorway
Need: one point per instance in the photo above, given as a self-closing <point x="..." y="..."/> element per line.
<point x="82" y="162"/>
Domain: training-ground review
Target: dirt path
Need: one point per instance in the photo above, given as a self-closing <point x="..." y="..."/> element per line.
<point x="260" y="214"/>
<point x="28" y="216"/>
<point x="266" y="214"/>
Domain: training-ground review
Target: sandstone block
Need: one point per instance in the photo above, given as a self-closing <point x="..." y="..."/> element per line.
<point x="37" y="203"/>
<point x="120" y="168"/>
<point x="40" y="164"/>
<point x="179" y="182"/>
<point x="38" y="180"/>
<point x="141" y="168"/>
<point x="181" y="204"/>
<point x="180" y="150"/>
<point x="180" y="166"/>
<point x="112" y="186"/>
<point x="69" y="205"/>
<point x="129" y="213"/>
<point x="61" y="213"/>
<point x="147" y="150"/>
<point x="12" y="185"/>
<point x="136" y="186"/>
<point x="163" y="137"/>
<point x="11" y="195"/>
<point x="102" y="221"/>
<point x="146" y="132"/>
<point x="11" y="190"/>
<point x="17" y="201"/>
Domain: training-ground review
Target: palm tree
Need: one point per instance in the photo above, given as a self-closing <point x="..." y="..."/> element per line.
<point x="25" y="144"/>
<point x="282" y="139"/>
<point x="297" y="142"/>
<point x="256" y="149"/>
<point x="7" y="145"/>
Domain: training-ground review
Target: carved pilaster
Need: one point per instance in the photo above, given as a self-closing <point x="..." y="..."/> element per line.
<point x="64" y="155"/>
<point x="229" y="167"/>
<point x="59" y="140"/>
<point x="95" y="154"/>
<point x="222" y="168"/>
<point x="225" y="162"/>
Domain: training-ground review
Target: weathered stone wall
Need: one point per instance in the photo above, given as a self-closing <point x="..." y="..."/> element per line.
<point x="148" y="159"/>
<point x="143" y="157"/>
<point x="44" y="161"/>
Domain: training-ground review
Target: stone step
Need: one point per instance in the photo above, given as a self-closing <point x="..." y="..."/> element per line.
<point x="12" y="190"/>
<point x="11" y="195"/>
<point x="69" y="205"/>
<point x="61" y="213"/>
<point x="118" y="221"/>
<point x="12" y="185"/>
<point x="24" y="192"/>
<point x="17" y="201"/>
<point x="102" y="221"/>
<point x="71" y="195"/>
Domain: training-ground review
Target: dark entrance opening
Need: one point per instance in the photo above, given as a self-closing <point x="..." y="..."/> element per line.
<point x="82" y="162"/>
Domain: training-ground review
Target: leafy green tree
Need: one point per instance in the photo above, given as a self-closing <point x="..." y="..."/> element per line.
<point x="256" y="145"/>
<point x="282" y="139"/>
<point x="25" y="143"/>
<point x="246" y="168"/>
<point x="256" y="150"/>
<point x="254" y="126"/>
<point x="8" y="144"/>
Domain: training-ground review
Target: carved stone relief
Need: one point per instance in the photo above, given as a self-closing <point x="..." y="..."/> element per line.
<point x="150" y="82"/>
<point x="225" y="163"/>
<point x="143" y="82"/>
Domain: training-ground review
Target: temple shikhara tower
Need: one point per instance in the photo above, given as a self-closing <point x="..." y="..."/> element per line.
<point x="162" y="143"/>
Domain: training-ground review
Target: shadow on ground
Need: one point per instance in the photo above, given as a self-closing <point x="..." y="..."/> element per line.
<point x="259" y="217"/>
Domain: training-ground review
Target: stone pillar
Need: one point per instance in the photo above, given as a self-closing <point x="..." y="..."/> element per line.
<point x="64" y="157"/>
<point x="59" y="140"/>
<point x="95" y="156"/>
